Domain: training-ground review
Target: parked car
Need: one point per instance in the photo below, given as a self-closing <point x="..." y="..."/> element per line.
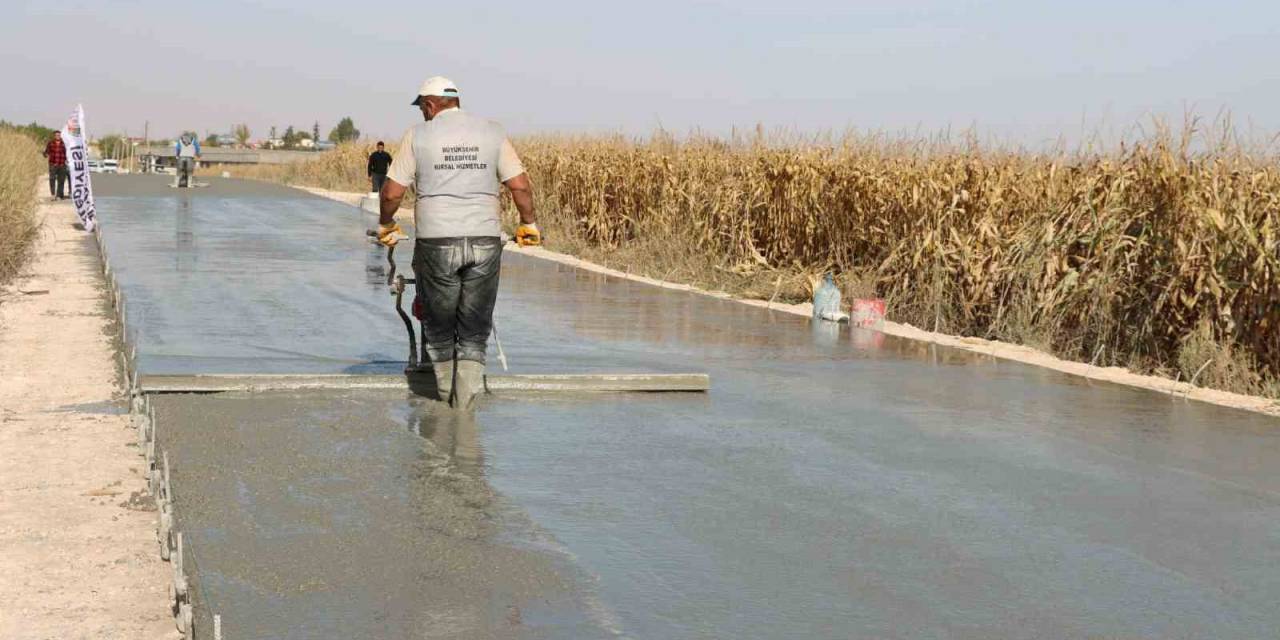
<point x="111" y="166"/>
<point x="95" y="166"/>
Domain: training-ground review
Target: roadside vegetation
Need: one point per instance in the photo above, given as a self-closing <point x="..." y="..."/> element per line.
<point x="20" y="165"/>
<point x="341" y="169"/>
<point x="1161" y="256"/>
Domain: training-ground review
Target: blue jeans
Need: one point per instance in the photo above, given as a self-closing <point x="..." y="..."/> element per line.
<point x="457" y="288"/>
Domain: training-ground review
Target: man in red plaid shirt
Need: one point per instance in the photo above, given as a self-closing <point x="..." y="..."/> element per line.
<point x="56" y="152"/>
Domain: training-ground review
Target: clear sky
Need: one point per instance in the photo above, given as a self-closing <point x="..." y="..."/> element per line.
<point x="1025" y="71"/>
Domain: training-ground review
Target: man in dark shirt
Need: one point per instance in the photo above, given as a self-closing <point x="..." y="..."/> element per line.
<point x="379" y="162"/>
<point x="56" y="152"/>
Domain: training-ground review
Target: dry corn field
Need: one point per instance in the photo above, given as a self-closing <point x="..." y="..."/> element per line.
<point x="20" y="164"/>
<point x="342" y="169"/>
<point x="1151" y="257"/>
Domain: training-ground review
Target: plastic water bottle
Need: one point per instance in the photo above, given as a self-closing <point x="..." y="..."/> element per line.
<point x="826" y="301"/>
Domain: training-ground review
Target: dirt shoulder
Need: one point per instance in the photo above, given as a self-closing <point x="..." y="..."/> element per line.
<point x="78" y="550"/>
<point x="1176" y="389"/>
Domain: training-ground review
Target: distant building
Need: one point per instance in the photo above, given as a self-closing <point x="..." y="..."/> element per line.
<point x="274" y="143"/>
<point x="325" y="145"/>
<point x="225" y="140"/>
<point x="307" y="143"/>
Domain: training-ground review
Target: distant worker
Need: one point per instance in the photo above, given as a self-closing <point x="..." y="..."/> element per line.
<point x="457" y="164"/>
<point x="56" y="152"/>
<point x="187" y="150"/>
<point x="379" y="162"/>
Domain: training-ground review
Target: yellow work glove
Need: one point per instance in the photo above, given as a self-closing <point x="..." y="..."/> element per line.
<point x="527" y="235"/>
<point x="389" y="234"/>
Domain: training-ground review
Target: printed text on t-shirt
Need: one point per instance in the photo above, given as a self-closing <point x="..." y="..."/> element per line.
<point x="460" y="157"/>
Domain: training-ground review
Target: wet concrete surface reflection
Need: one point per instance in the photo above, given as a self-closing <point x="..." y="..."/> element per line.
<point x="832" y="484"/>
<point x="265" y="281"/>
<point x="323" y="516"/>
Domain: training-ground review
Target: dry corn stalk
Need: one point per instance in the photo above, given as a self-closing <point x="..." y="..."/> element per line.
<point x="1132" y="249"/>
<point x="20" y="164"/>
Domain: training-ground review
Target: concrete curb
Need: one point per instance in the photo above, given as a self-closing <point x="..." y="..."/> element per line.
<point x="172" y="545"/>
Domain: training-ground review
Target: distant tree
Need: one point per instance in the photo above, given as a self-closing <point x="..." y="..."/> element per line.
<point x="241" y="133"/>
<point x="39" y="132"/>
<point x="211" y="140"/>
<point x="290" y="137"/>
<point x="273" y="132"/>
<point x="315" y="131"/>
<point x="109" y="145"/>
<point x="346" y="131"/>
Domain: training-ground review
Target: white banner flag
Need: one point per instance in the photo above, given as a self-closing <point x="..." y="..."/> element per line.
<point x="77" y="142"/>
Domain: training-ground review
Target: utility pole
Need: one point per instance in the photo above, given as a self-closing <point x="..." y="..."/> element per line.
<point x="146" y="146"/>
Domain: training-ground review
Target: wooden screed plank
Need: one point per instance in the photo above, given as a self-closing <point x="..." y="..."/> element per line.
<point x="582" y="383"/>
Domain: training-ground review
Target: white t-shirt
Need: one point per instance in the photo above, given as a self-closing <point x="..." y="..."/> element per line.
<point x="456" y="163"/>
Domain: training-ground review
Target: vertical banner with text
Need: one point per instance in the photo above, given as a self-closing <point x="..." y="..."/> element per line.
<point x="77" y="141"/>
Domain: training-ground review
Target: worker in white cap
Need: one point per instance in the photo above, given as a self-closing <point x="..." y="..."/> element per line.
<point x="457" y="164"/>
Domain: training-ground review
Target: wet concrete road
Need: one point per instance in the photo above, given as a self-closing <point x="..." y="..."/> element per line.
<point x="832" y="484"/>
<point x="320" y="515"/>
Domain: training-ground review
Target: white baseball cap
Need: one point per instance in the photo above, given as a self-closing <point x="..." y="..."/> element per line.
<point x="436" y="86"/>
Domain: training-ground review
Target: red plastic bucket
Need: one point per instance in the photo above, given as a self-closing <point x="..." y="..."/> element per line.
<point x="868" y="313"/>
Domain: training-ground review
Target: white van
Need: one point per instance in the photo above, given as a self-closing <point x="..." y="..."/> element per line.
<point x="111" y="166"/>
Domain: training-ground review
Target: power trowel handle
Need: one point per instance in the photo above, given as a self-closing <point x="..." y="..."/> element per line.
<point x="391" y="261"/>
<point x="391" y="264"/>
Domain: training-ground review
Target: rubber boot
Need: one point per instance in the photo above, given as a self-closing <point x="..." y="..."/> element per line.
<point x="470" y="384"/>
<point x="444" y="379"/>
